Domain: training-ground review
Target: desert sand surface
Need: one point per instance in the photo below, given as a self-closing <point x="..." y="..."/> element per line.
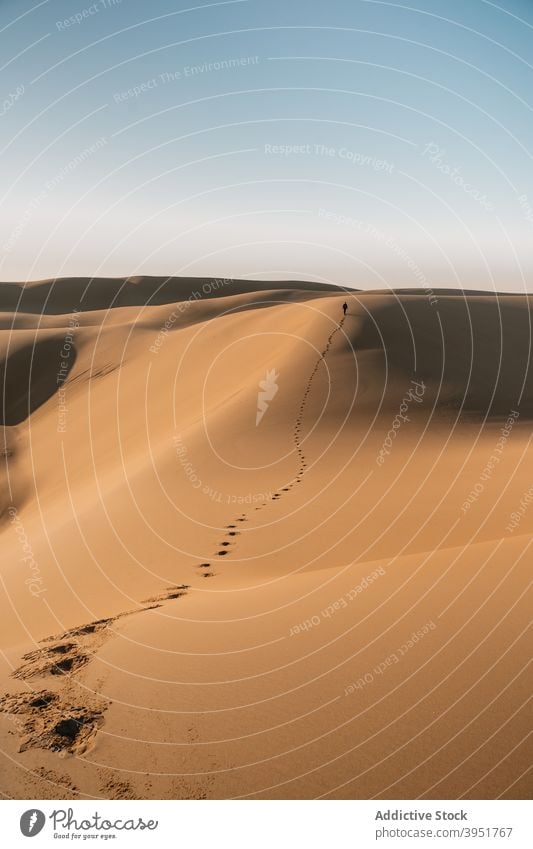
<point x="323" y="596"/>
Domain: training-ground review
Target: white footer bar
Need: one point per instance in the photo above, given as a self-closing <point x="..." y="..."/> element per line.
<point x="269" y="824"/>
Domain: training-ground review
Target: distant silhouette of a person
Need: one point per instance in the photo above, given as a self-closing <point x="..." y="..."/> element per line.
<point x="344" y="307"/>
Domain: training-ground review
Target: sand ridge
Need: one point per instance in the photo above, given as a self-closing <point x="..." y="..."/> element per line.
<point x="173" y="542"/>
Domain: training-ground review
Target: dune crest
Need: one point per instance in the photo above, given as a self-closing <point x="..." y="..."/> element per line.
<point x="240" y="543"/>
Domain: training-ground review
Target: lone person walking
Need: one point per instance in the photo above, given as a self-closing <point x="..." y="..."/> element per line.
<point x="344" y="307"/>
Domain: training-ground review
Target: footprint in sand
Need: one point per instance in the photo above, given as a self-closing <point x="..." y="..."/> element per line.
<point x="55" y="659"/>
<point x="53" y="721"/>
<point x="67" y="719"/>
<point x="170" y="593"/>
<point x="223" y="551"/>
<point x="206" y="570"/>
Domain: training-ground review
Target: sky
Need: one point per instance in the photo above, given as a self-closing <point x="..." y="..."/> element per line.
<point x="359" y="142"/>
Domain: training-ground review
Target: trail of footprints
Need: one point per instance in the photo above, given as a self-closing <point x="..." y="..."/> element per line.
<point x="206" y="569"/>
<point x="66" y="719"/>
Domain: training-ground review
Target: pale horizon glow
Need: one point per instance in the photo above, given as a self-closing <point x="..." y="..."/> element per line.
<point x="367" y="144"/>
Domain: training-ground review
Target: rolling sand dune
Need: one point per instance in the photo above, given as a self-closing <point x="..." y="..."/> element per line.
<point x="250" y="552"/>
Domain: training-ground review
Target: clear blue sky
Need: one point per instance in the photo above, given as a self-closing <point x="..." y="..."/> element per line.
<point x="361" y="142"/>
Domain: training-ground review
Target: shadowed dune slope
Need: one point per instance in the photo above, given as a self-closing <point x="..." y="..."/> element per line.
<point x="99" y="293"/>
<point x="253" y="548"/>
<point x="474" y="352"/>
<point x="30" y="375"/>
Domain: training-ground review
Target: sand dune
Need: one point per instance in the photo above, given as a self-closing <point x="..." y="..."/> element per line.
<point x="253" y="549"/>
